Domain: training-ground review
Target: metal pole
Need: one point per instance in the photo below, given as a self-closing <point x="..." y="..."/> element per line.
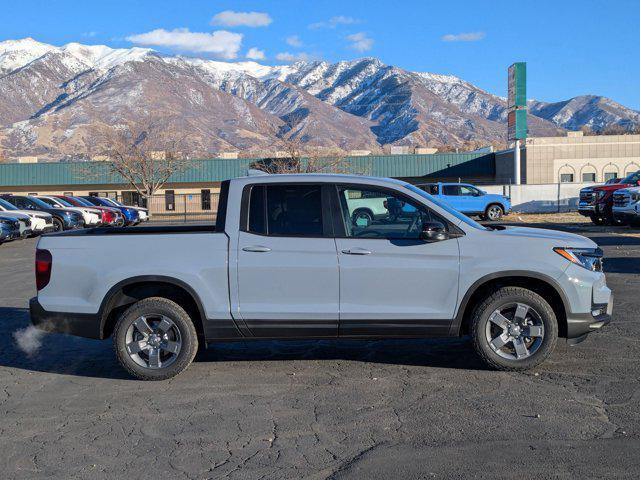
<point x="516" y="161"/>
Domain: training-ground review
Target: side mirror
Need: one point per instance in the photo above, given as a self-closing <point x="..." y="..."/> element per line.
<point x="434" y="232"/>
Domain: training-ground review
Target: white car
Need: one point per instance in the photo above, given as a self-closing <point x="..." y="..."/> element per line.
<point x="41" y="222"/>
<point x="626" y="205"/>
<point x="91" y="216"/>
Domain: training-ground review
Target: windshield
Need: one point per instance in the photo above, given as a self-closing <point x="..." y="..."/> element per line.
<point x="631" y="178"/>
<point x="6" y="205"/>
<point x="113" y="202"/>
<point x="48" y="201"/>
<point x="63" y="202"/>
<point x="444" y="206"/>
<point x="83" y="202"/>
<point x="39" y="202"/>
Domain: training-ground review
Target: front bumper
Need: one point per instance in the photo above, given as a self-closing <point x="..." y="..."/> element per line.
<point x="580" y="325"/>
<point x="79" y="324"/>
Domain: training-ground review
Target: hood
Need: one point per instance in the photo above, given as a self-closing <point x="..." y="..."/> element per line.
<point x="608" y="188"/>
<point x="563" y="239"/>
<point x="15" y="214"/>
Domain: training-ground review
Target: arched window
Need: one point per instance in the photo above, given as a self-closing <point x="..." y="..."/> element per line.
<point x="610" y="171"/>
<point x="588" y="174"/>
<point x="631" y="168"/>
<point x="566" y="174"/>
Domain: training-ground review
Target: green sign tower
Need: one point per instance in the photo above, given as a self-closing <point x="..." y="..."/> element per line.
<point x="517" y="110"/>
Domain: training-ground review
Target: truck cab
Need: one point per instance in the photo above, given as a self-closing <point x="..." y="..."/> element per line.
<point x="469" y="199"/>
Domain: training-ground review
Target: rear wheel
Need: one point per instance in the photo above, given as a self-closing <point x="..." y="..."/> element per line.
<point x="363" y="215"/>
<point x="514" y="329"/>
<point x="155" y="339"/>
<point x="598" y="219"/>
<point x="494" y="212"/>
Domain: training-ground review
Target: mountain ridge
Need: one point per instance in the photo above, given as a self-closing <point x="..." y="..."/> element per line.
<point x="50" y="96"/>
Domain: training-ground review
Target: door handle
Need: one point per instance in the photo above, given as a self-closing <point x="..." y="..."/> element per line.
<point x="357" y="251"/>
<point x="256" y="248"/>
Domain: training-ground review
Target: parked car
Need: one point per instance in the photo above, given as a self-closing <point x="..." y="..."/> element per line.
<point x="597" y="202"/>
<point x="626" y="206"/>
<point x="110" y="216"/>
<point x="470" y="200"/>
<point x="63" y="219"/>
<point x="131" y="216"/>
<point x="286" y="260"/>
<point x="91" y="216"/>
<point x="142" y="212"/>
<point x="23" y="218"/>
<point x="9" y="229"/>
<point x="41" y="222"/>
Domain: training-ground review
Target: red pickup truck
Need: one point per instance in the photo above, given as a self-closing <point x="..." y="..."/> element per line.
<point x="597" y="202"/>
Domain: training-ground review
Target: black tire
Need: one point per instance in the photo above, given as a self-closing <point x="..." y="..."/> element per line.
<point x="494" y="212"/>
<point x="150" y="307"/>
<point x="598" y="219"/>
<point x="504" y="297"/>
<point x="58" y="225"/>
<point x="362" y="213"/>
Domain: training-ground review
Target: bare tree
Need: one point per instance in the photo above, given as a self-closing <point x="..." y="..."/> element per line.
<point x="145" y="156"/>
<point x="293" y="154"/>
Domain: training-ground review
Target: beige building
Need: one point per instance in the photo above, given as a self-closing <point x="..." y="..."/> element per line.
<point x="574" y="158"/>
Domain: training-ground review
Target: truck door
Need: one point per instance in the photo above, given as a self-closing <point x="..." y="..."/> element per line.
<point x="287" y="262"/>
<point x="392" y="282"/>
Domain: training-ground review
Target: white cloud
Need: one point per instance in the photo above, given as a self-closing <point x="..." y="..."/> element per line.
<point x="294" y="41"/>
<point x="464" y="37"/>
<point x="90" y="34"/>
<point x="360" y="42"/>
<point x="292" y="57"/>
<point x="255" y="54"/>
<point x="220" y="43"/>
<point x="229" y="18"/>
<point x="333" y="22"/>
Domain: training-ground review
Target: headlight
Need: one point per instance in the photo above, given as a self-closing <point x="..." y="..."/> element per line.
<point x="600" y="193"/>
<point x="589" y="258"/>
<point x="635" y="197"/>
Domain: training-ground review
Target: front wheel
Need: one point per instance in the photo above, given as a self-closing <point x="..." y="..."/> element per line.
<point x="494" y="212"/>
<point x="514" y="329"/>
<point x="155" y="339"/>
<point x="58" y="226"/>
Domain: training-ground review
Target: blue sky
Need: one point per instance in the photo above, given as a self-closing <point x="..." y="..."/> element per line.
<point x="571" y="47"/>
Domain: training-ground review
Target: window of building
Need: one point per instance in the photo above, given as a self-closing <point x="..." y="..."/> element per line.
<point x="205" y="199"/>
<point x="169" y="200"/>
<point x="33" y="194"/>
<point x="588" y="177"/>
<point x="68" y="194"/>
<point x="610" y="176"/>
<point x="566" y="177"/>
<point x="291" y="210"/>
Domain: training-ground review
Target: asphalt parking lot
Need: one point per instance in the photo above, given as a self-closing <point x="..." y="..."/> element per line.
<point x="383" y="409"/>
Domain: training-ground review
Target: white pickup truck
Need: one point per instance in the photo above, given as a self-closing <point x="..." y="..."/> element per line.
<point x="288" y="259"/>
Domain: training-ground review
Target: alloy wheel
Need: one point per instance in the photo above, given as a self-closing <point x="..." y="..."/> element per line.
<point x="153" y="341"/>
<point x="515" y="331"/>
<point x="494" y="213"/>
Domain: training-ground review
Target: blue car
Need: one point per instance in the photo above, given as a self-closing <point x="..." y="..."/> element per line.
<point x="470" y="200"/>
<point x="131" y="215"/>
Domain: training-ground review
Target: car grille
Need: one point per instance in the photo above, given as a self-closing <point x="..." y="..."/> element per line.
<point x="621" y="199"/>
<point x="586" y="197"/>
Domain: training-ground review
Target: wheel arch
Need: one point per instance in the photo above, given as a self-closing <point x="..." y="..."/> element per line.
<point x="125" y="293"/>
<point x="495" y="202"/>
<point x="542" y="284"/>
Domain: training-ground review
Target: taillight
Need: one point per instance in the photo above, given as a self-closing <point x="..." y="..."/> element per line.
<point x="43" y="268"/>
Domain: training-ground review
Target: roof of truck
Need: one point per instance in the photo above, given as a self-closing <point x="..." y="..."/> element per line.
<point x="316" y="177"/>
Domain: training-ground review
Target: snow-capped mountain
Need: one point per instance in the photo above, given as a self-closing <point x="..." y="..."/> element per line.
<point x="52" y="99"/>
